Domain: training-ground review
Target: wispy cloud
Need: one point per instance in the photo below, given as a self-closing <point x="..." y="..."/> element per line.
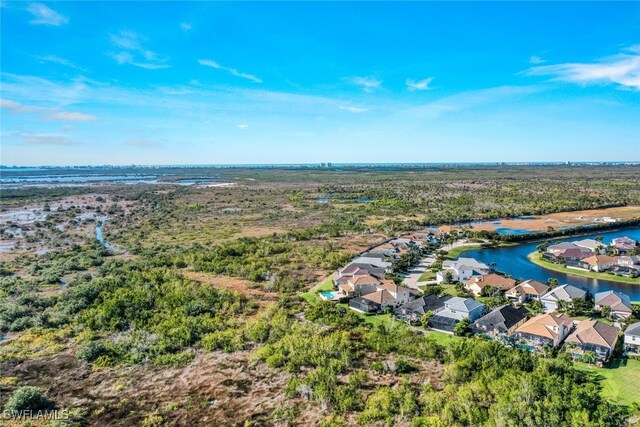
<point x="186" y="26"/>
<point x="142" y="143"/>
<point x="420" y="84"/>
<point x="45" y="139"/>
<point x="242" y="126"/>
<point x="368" y="84"/>
<point x="58" y="60"/>
<point x="468" y="100"/>
<point x="622" y="69"/>
<point x="50" y="113"/>
<point x="70" y="116"/>
<point x="353" y="109"/>
<point x="536" y="60"/>
<point x="43" y="15"/>
<point x="233" y="71"/>
<point x="134" y="53"/>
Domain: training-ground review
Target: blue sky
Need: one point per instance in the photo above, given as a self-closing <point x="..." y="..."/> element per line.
<point x="301" y="82"/>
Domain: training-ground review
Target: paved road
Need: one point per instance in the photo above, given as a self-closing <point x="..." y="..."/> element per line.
<point x="411" y="281"/>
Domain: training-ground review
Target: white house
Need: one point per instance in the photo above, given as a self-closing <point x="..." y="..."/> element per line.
<point x="462" y="269"/>
<point x="551" y="300"/>
<point x="632" y="339"/>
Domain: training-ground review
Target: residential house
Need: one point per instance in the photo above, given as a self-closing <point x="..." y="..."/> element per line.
<point x="502" y="320"/>
<point x="462" y="269"/>
<point x="591" y="244"/>
<point x="454" y="310"/>
<point x="527" y="290"/>
<point x="477" y="283"/>
<point x="574" y="254"/>
<point x="599" y="262"/>
<point x="567" y="293"/>
<point x="629" y="261"/>
<point x="358" y="286"/>
<point x="559" y="247"/>
<point x="388" y="294"/>
<point x="619" y="303"/>
<point x="357" y="269"/>
<point x="544" y="329"/>
<point x="592" y="336"/>
<point x="413" y="311"/>
<point x="623" y="245"/>
<point x="379" y="260"/>
<point x="632" y="339"/>
<point x="364" y="305"/>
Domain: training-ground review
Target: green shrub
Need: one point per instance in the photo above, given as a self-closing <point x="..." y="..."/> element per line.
<point x="28" y="398"/>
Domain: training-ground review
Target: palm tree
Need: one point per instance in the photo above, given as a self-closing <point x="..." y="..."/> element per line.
<point x="589" y="357"/>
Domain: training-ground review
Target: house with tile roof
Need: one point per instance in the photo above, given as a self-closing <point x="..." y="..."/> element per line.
<point x="352" y="270"/>
<point x="358" y="286"/>
<point x="590" y="244"/>
<point x="619" y="303"/>
<point x="387" y="294"/>
<point x="503" y="320"/>
<point x="544" y="329"/>
<point x="599" y="262"/>
<point x="632" y="339"/>
<point x="413" y="311"/>
<point x="623" y="245"/>
<point x="454" y="310"/>
<point x="592" y="336"/>
<point x="558" y="247"/>
<point x="527" y="290"/>
<point x="477" y="283"/>
<point x="567" y="293"/>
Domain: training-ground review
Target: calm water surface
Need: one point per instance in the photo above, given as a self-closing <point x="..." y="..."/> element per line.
<point x="513" y="260"/>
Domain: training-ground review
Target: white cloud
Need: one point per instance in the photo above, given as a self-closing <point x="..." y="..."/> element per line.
<point x="53" y="113"/>
<point x="243" y="126"/>
<point x="368" y="84"/>
<point x="420" y="84"/>
<point x="186" y="26"/>
<point x="233" y="71"/>
<point x="45" y="139"/>
<point x="142" y="143"/>
<point x="43" y="15"/>
<point x="622" y="69"/>
<point x="126" y="40"/>
<point x="536" y="60"/>
<point x="70" y="116"/>
<point x="353" y="109"/>
<point x="134" y="53"/>
<point x="58" y="60"/>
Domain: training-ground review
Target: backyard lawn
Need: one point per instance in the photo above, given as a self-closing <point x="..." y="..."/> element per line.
<point x="619" y="381"/>
<point x="312" y="296"/>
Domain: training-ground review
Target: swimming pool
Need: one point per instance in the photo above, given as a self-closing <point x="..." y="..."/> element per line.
<point x="330" y="295"/>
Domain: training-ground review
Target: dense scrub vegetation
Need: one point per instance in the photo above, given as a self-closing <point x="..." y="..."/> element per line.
<point x="109" y="311"/>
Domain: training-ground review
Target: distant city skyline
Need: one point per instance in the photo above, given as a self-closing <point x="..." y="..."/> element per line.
<point x="169" y="83"/>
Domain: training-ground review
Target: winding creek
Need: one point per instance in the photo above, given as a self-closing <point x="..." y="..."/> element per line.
<point x="513" y="261"/>
<point x="103" y="242"/>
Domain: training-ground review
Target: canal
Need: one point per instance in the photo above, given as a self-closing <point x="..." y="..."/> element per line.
<point x="513" y="261"/>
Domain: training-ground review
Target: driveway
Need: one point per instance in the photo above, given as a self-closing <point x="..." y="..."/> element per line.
<point x="411" y="280"/>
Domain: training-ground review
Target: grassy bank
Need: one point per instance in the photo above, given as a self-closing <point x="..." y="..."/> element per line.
<point x="619" y="381"/>
<point x="536" y="258"/>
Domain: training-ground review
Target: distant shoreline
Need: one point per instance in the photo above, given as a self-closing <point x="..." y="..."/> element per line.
<point x="326" y="165"/>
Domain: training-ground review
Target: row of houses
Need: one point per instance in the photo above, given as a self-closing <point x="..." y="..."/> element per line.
<point x="592" y="255"/>
<point x="362" y="282"/>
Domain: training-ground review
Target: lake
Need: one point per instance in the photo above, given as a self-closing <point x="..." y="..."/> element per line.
<point x="513" y="261"/>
